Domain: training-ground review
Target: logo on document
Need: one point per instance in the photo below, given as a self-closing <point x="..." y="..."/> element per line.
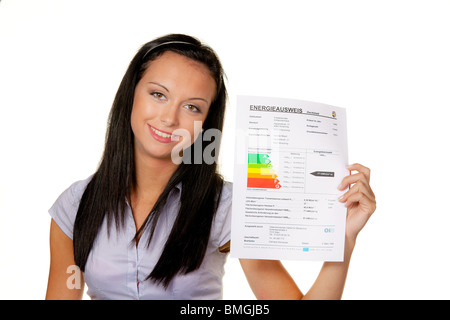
<point x="333" y="114"/>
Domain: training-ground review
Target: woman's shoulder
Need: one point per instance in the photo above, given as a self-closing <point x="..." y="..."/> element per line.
<point x="227" y="191"/>
<point x="65" y="208"/>
<point x="74" y="192"/>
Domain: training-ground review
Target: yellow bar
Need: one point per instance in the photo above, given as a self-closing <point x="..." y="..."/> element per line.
<point x="263" y="171"/>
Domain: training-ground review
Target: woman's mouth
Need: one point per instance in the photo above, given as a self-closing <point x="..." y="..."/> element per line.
<point x="162" y="136"/>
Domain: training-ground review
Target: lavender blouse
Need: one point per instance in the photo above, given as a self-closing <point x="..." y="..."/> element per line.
<point x="117" y="268"/>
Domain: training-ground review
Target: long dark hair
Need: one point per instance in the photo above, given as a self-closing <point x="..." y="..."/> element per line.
<point x="106" y="194"/>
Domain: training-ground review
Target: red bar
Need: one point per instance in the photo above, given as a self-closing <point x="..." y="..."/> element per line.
<point x="263" y="183"/>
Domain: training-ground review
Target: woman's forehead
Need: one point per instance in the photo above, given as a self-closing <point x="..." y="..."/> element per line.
<point x="175" y="69"/>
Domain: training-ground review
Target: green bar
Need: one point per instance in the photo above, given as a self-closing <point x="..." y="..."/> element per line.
<point x="258" y="158"/>
<point x="259" y="165"/>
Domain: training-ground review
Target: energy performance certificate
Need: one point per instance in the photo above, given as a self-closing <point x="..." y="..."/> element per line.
<point x="290" y="158"/>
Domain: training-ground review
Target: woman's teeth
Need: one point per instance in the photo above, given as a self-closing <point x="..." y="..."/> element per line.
<point x="161" y="134"/>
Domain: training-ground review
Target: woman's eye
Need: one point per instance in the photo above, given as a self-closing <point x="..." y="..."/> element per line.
<point x="157" y="95"/>
<point x="192" y="108"/>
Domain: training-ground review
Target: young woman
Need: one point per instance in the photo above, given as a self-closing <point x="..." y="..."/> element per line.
<point x="147" y="227"/>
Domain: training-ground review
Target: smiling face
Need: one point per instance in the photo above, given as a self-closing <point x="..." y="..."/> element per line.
<point x="173" y="93"/>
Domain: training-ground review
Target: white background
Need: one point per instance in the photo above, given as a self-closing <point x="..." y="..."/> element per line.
<point x="386" y="62"/>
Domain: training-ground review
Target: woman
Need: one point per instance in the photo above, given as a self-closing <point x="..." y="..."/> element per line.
<point x="147" y="227"/>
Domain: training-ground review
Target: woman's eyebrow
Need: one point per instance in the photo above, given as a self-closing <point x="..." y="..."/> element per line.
<point x="158" y="84"/>
<point x="199" y="99"/>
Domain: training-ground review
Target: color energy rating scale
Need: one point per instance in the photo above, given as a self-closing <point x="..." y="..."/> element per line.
<point x="260" y="173"/>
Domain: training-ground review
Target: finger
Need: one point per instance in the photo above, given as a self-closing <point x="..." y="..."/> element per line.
<point x="358" y="187"/>
<point x="351" y="179"/>
<point x="362" y="201"/>
<point x="360" y="168"/>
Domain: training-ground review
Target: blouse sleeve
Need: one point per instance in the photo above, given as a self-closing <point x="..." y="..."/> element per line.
<point x="64" y="210"/>
<point x="222" y="223"/>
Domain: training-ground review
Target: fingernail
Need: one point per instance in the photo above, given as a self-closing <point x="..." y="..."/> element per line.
<point x="339" y="186"/>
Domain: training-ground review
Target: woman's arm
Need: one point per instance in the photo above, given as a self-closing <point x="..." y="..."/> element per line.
<point x="268" y="278"/>
<point x="64" y="281"/>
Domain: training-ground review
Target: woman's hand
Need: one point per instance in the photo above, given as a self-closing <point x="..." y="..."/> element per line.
<point x="359" y="200"/>
<point x="268" y="278"/>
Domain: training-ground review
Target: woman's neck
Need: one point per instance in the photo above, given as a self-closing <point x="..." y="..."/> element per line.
<point x="152" y="176"/>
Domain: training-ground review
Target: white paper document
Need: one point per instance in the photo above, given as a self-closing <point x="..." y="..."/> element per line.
<point x="290" y="157"/>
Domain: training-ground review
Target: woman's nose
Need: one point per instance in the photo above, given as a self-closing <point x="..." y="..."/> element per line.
<point x="169" y="115"/>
